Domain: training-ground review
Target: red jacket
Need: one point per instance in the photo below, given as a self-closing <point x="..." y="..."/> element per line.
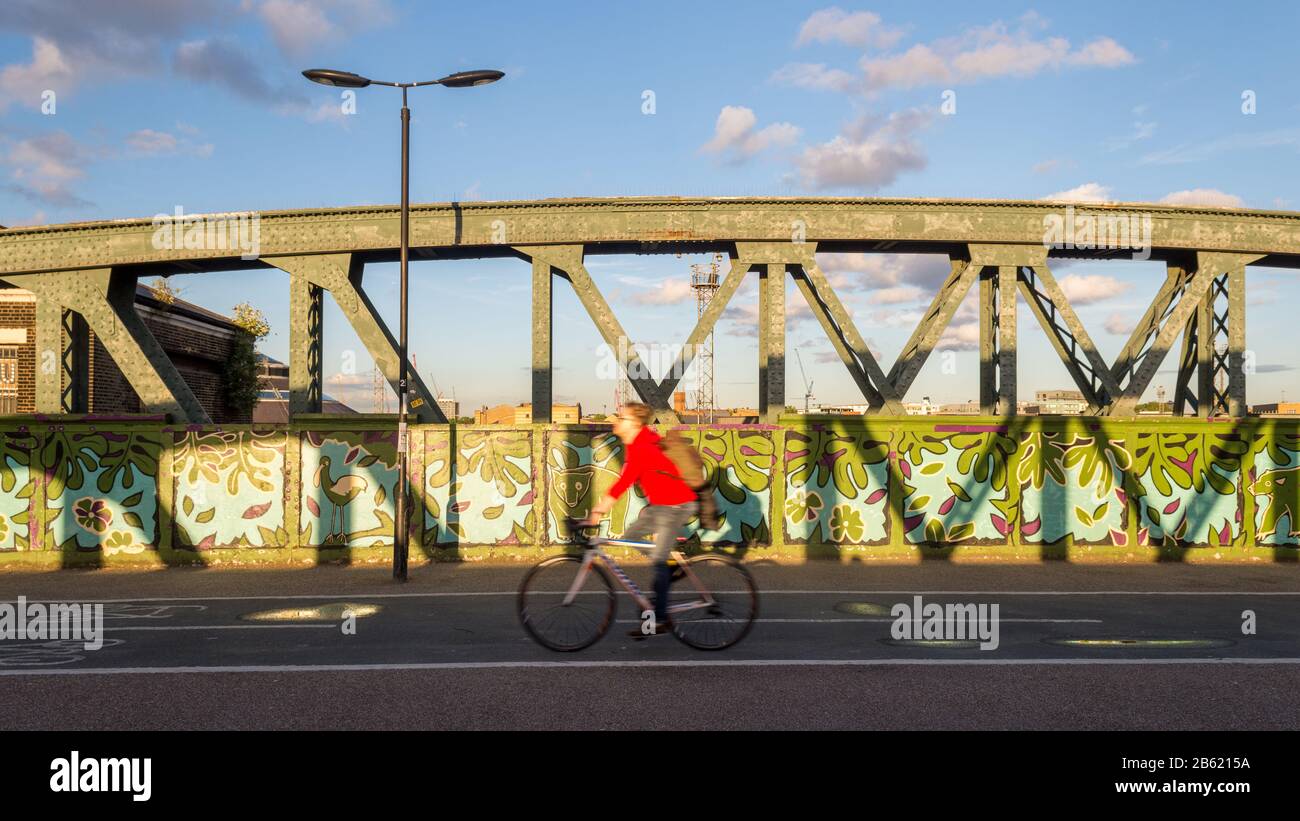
<point x="646" y="465"/>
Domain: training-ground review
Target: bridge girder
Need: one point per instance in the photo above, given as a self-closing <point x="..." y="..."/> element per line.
<point x="79" y="273"/>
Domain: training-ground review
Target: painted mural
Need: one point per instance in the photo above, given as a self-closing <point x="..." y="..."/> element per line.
<point x="18" y="525"/>
<point x="229" y="489"/>
<point x="348" y="481"/>
<point x="1072" y="487"/>
<point x="582" y="466"/>
<point x="101" y="490"/>
<point x="836" y="483"/>
<point x="1274" y="485"/>
<point x="1049" y="482"/>
<point x="955" y="486"/>
<point x="483" y="493"/>
<point x="1186" y="487"/>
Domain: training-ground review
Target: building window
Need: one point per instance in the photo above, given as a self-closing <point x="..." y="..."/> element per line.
<point x="8" y="379"/>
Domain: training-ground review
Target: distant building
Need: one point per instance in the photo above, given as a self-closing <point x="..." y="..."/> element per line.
<point x="969" y="408"/>
<point x="1060" y="403"/>
<point x="450" y="407"/>
<point x="1277" y="409"/>
<point x="522" y="414"/>
<point x="273" y="399"/>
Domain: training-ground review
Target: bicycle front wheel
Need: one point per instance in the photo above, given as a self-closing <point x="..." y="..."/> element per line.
<point x="562" y="627"/>
<point x="712" y="602"/>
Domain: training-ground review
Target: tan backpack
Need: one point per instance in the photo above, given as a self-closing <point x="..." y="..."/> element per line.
<point x="690" y="465"/>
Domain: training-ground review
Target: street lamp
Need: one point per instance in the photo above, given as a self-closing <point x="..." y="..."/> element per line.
<point x="346" y="79"/>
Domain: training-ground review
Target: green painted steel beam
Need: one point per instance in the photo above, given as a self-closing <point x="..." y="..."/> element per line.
<point x="615" y="221"/>
<point x="568" y="258"/>
<point x="891" y="398"/>
<point x="306" y="345"/>
<point x="1208" y="266"/>
<point x="543" y="346"/>
<point x="106" y="298"/>
<point x="340" y="274"/>
<point x="932" y="325"/>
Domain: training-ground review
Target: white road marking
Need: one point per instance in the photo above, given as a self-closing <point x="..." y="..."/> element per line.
<point x="514" y="665"/>
<point x="891" y="621"/>
<point x="232" y="627"/>
<point x="346" y="595"/>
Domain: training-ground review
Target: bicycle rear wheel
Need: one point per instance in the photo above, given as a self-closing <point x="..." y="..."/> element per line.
<point x="562" y="627"/>
<point x="733" y="608"/>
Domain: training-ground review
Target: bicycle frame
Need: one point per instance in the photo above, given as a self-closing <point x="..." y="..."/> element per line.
<point x="594" y="553"/>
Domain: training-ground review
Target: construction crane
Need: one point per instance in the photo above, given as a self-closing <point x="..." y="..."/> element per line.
<point x="807" y="386"/>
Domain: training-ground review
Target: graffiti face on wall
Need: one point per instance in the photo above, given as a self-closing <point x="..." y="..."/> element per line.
<point x="484" y="493"/>
<point x="348" y="481"/>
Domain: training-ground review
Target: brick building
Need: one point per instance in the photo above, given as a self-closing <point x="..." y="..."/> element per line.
<point x="197" y="341"/>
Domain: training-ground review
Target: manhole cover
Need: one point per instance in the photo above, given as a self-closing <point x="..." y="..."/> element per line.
<point x="335" y="611"/>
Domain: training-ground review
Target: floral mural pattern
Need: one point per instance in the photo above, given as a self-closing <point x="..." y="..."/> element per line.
<point x="101" y="490"/>
<point x="484" y="495"/>
<point x="229" y="489"/>
<point x="836" y="481"/>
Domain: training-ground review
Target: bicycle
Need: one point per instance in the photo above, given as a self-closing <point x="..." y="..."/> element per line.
<point x="567" y="603"/>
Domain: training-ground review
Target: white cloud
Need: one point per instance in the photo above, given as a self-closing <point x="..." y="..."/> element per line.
<point x="897" y="295"/>
<point x="976" y="54"/>
<point x="25" y="83"/>
<point x="1088" y="192"/>
<point x="861" y="28"/>
<point x="869" y="271"/>
<point x="665" y="292"/>
<point x="297" y="25"/>
<point x="148" y="141"/>
<point x="964" y="336"/>
<point x="1203" y="196"/>
<point x="814" y="75"/>
<point x="1120" y="324"/>
<point x="866" y="158"/>
<point x="1046" y="166"/>
<point x="734" y="134"/>
<point x="988" y="52"/>
<point x="1083" y="289"/>
<point x="44" y="168"/>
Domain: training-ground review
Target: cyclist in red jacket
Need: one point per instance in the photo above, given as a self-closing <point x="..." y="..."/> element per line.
<point x="672" y="501"/>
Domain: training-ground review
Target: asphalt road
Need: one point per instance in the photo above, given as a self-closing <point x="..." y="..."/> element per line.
<point x="445" y="651"/>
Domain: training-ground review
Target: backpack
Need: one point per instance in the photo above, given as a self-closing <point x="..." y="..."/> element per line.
<point x="690" y="466"/>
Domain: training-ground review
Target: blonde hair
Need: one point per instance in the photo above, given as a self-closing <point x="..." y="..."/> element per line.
<point x="639" y="411"/>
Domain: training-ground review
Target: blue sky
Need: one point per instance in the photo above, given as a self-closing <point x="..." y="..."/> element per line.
<point x="201" y="105"/>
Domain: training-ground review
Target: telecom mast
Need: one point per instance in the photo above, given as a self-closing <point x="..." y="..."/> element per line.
<point x="704" y="282"/>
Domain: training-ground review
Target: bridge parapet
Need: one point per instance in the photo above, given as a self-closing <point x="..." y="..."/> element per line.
<point x="89" y="492"/>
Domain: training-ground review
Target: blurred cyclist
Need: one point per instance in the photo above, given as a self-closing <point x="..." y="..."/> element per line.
<point x="672" y="501"/>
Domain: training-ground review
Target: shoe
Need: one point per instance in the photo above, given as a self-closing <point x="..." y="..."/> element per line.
<point x="660" y="629"/>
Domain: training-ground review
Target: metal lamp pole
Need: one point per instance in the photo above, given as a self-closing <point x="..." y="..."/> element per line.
<point x="345" y="79"/>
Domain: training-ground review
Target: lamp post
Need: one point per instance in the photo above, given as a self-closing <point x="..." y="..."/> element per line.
<point x="346" y="79"/>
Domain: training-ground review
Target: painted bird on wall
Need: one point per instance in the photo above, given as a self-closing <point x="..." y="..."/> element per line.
<point x="340" y="492"/>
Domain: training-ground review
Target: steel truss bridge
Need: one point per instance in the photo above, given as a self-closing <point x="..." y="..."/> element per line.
<point x="84" y="277"/>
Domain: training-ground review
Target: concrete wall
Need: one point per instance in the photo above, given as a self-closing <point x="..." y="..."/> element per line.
<point x="96" y="492"/>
